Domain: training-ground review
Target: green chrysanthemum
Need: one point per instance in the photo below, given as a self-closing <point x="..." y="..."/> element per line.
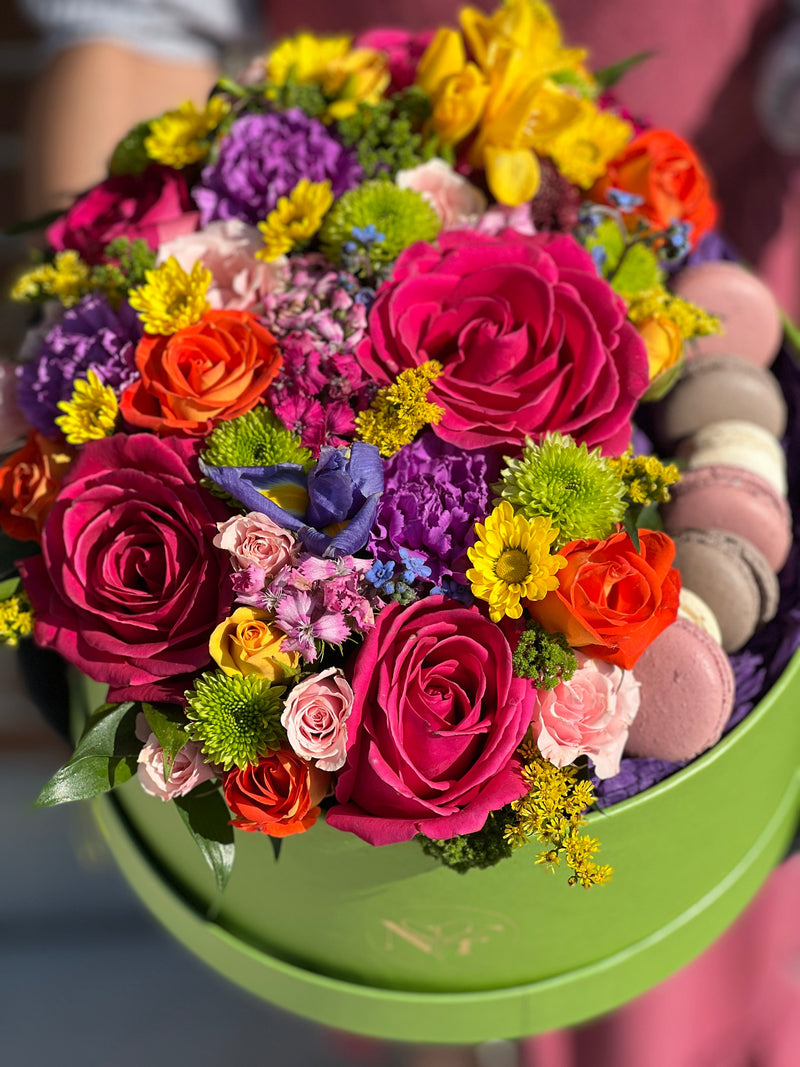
<point x="577" y="489"/>
<point x="257" y="439"/>
<point x="395" y="218"/>
<point x="236" y="718"/>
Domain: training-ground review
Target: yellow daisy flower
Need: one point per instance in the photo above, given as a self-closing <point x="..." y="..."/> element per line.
<point x="296" y="218"/>
<point x="170" y="300"/>
<point x="90" y="414"/>
<point x="179" y="138"/>
<point x="511" y="561"/>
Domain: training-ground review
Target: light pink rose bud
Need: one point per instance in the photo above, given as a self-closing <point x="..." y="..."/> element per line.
<point x="315" y="718"/>
<point x="188" y="770"/>
<point x="255" y="540"/>
<point x="587" y="716"/>
<point x="228" y="249"/>
<point x="456" y="201"/>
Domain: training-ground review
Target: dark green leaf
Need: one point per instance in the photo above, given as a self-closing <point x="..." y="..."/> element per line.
<point x="207" y="818"/>
<point x="629" y="524"/>
<point x="170" y="730"/>
<point x="9" y="587"/>
<point x="609" y="76"/>
<point x="27" y="225"/>
<point x="11" y="551"/>
<point x="277" y="844"/>
<point x="104" y="758"/>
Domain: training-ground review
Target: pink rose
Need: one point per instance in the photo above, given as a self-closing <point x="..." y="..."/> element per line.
<point x="154" y="207"/>
<point x="587" y="716"/>
<point x="189" y="768"/>
<point x="403" y="52"/>
<point x="228" y="249"/>
<point x="315" y="718"/>
<point x="437" y="718"/>
<point x="456" y="201"/>
<point x="254" y="540"/>
<point x="530" y="338"/>
<point x="501" y="217"/>
<point x="129" y="585"/>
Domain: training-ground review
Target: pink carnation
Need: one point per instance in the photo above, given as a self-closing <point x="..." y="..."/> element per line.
<point x="254" y="540"/>
<point x="188" y="770"/>
<point x="228" y="249"/>
<point x="456" y="201"/>
<point x="587" y="716"/>
<point x="315" y="717"/>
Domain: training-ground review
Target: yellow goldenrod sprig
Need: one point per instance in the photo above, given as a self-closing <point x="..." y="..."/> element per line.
<point x="180" y="137"/>
<point x="296" y="218"/>
<point x="16" y="619"/>
<point x="170" y="299"/>
<point x="91" y="412"/>
<point x="66" y="279"/>
<point x="691" y="320"/>
<point x="401" y="410"/>
<point x="646" y="478"/>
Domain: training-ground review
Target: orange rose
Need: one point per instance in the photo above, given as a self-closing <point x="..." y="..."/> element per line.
<point x="29" y="481"/>
<point x="663" y="169"/>
<point x="278" y="795"/>
<point x="612" y="601"/>
<point x="216" y="369"/>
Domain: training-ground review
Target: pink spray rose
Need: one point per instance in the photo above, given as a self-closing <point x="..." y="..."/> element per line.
<point x="315" y="718"/>
<point x="530" y="338"/>
<point x="587" y="716"/>
<point x="189" y="768"/>
<point x="154" y="207"/>
<point x="129" y="585"/>
<point x="254" y="540"/>
<point x="437" y="718"/>
<point x="228" y="249"/>
<point x="457" y="202"/>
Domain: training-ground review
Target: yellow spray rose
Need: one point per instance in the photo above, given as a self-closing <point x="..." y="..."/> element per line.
<point x="247" y="643"/>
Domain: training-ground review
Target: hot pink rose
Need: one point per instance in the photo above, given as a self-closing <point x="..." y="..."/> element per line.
<point x="587" y="716"/>
<point x="437" y="718"/>
<point x="228" y="249"/>
<point x="129" y="585"/>
<point x="457" y="202"/>
<point x="254" y="540"/>
<point x="315" y="718"/>
<point x="189" y="769"/>
<point x="153" y="207"/>
<point x="530" y="338"/>
<point x="403" y="52"/>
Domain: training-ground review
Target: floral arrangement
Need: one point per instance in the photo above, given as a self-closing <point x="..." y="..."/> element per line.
<point x="330" y="475"/>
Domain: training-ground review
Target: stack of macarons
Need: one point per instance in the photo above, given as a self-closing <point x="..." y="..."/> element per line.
<point x="728" y="515"/>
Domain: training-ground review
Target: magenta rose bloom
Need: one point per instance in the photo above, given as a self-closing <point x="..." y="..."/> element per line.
<point x="154" y="207"/>
<point x="129" y="585"/>
<point x="530" y="338"/>
<point x="436" y="721"/>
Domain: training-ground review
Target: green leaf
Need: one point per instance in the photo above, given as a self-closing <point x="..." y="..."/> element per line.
<point x="104" y="758"/>
<point x="27" y="225"/>
<point x="9" y="587"/>
<point x="11" y="551"/>
<point x="207" y="819"/>
<point x="277" y="845"/>
<point x="637" y="271"/>
<point x="609" y="76"/>
<point x="629" y="524"/>
<point x="170" y="731"/>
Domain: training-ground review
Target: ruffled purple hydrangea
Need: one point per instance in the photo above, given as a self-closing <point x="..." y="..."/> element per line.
<point x="263" y="158"/>
<point x="89" y="336"/>
<point x="434" y="493"/>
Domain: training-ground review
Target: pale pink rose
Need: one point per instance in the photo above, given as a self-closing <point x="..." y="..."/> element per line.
<point x="315" y="718"/>
<point x="254" y="540"/>
<point x="455" y="200"/>
<point x="228" y="249"/>
<point x="188" y="770"/>
<point x="587" y="716"/>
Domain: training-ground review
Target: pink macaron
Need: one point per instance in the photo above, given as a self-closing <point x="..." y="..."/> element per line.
<point x="687" y="689"/>
<point x="730" y="498"/>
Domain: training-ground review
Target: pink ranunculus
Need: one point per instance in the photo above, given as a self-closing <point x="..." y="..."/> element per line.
<point x="153" y="207"/>
<point x="403" y="51"/>
<point x="457" y="202"/>
<point x="587" y="716"/>
<point x="228" y="249"/>
<point x="254" y="540"/>
<point x="315" y="718"/>
<point x="437" y="718"/>
<point x="530" y="338"/>
<point x="129" y="585"/>
<point x="189" y="769"/>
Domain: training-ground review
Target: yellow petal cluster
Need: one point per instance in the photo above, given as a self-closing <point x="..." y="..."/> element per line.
<point x="16" y="620"/>
<point x="170" y="299"/>
<point x="248" y="643"/>
<point x="91" y="412"/>
<point x="179" y="137"/>
<point x="401" y="410"/>
<point x="296" y="218"/>
<point x="66" y="279"/>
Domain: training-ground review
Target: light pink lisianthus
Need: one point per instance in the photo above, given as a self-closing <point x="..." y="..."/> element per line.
<point x="315" y="718"/>
<point x="253" y="540"/>
<point x="228" y="249"/>
<point x="587" y="716"/>
<point x="456" y="201"/>
<point x="188" y="770"/>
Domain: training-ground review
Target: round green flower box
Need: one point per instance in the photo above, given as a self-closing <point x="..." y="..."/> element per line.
<point x="386" y="942"/>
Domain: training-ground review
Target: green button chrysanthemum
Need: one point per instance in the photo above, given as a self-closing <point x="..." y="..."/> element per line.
<point x="236" y="718"/>
<point x="256" y="439"/>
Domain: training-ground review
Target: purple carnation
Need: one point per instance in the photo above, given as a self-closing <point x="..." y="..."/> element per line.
<point x="263" y="158"/>
<point x="89" y="336"/>
<point x="434" y="493"/>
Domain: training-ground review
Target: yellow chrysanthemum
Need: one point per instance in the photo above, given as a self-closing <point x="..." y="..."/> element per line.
<point x="66" y="279"/>
<point x="170" y="300"/>
<point x="584" y="147"/>
<point x="179" y="138"/>
<point x="400" y="411"/>
<point x="90" y="414"/>
<point x="296" y="218"/>
<point x="511" y="561"/>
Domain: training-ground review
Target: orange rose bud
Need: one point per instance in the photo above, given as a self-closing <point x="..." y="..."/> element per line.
<point x="29" y="483"/>
<point x="663" y="169"/>
<point x="613" y="601"/>
<point x="278" y="796"/>
<point x="216" y="369"/>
